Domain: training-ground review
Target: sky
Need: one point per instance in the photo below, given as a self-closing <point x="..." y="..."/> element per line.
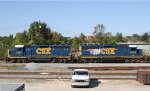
<point x="70" y="18"/>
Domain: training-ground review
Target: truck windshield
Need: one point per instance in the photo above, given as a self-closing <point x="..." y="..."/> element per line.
<point x="80" y="73"/>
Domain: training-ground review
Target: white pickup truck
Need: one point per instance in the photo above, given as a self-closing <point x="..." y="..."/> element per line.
<point x="80" y="77"/>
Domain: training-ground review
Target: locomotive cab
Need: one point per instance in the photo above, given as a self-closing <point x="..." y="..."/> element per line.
<point x="17" y="51"/>
<point x="16" y="54"/>
<point x="134" y="51"/>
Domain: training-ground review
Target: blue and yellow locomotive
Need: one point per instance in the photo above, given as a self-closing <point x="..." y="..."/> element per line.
<point x="40" y="53"/>
<point x="109" y="53"/>
<point x="87" y="53"/>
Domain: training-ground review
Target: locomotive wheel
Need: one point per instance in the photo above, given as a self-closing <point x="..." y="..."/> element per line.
<point x="64" y="61"/>
<point x="85" y="61"/>
<point x="52" y="61"/>
<point x="126" y="60"/>
<point x="96" y="61"/>
<point x="131" y="61"/>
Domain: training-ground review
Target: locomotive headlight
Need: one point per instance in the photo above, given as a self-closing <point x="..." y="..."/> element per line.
<point x="69" y="53"/>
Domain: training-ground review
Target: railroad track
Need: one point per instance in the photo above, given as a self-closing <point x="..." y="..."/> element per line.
<point x="114" y="68"/>
<point x="65" y="74"/>
<point x="98" y="72"/>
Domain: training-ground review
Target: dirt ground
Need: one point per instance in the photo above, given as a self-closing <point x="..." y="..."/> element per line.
<point x="64" y="85"/>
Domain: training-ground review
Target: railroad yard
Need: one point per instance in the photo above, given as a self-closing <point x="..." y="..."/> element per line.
<point x="63" y="45"/>
<point x="57" y="76"/>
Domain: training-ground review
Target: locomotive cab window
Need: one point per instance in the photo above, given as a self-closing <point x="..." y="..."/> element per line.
<point x="18" y="50"/>
<point x="133" y="50"/>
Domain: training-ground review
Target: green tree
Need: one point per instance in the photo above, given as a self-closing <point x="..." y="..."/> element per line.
<point x="136" y="38"/>
<point x="119" y="37"/>
<point x="75" y="42"/>
<point x="109" y="39"/>
<point x="21" y="39"/>
<point x="39" y="33"/>
<point x="57" y="38"/>
<point x="82" y="38"/>
<point x="99" y="34"/>
<point x="145" y="37"/>
<point x="5" y="44"/>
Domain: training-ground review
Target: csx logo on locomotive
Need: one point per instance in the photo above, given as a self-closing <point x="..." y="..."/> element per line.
<point x="102" y="51"/>
<point x="43" y="50"/>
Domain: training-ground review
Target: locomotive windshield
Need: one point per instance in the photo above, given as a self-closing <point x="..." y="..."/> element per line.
<point x="133" y="50"/>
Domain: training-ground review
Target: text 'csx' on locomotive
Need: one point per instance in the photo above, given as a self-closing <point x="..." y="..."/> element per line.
<point x="43" y="50"/>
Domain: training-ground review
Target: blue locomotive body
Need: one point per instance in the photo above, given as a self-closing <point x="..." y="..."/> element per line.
<point x="88" y="53"/>
<point x="107" y="53"/>
<point x="51" y="53"/>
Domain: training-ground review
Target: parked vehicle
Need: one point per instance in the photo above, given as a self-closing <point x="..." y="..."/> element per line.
<point x="80" y="77"/>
